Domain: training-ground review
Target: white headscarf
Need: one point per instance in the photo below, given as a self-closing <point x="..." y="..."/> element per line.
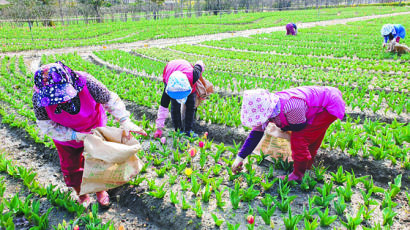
<point x="387" y="29"/>
<point x="178" y="87"/>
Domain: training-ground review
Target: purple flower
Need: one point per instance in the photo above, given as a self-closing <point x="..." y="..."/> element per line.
<point x="258" y="99"/>
<point x="56" y="77"/>
<point x="253" y="110"/>
<point x="257" y="117"/>
<point x="45" y="101"/>
<point x="250" y="103"/>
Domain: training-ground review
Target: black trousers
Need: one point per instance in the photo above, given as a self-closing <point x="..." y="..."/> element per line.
<point x="189" y="114"/>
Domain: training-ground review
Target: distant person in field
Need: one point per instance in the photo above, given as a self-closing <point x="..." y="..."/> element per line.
<point x="392" y="31"/>
<point x="305" y="111"/>
<point x="291" y="29"/>
<point x="179" y="79"/>
<point x="68" y="105"/>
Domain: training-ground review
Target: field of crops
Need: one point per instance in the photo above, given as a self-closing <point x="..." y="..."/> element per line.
<point x="361" y="175"/>
<point x="14" y="38"/>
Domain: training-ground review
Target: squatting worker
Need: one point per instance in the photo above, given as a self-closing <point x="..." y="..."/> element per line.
<point x="180" y="79"/>
<point x="306" y="111"/>
<point x="67" y="105"/>
<point x="392" y="31"/>
<point x="291" y="29"/>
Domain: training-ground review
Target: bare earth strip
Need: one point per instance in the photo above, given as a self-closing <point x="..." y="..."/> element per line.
<point x="191" y="40"/>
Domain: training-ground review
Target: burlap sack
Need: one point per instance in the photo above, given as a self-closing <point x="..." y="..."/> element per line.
<point x="395" y="47"/>
<point x="274" y="144"/>
<point x="109" y="160"/>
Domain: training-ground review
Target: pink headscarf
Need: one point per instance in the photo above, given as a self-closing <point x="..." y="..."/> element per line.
<point x="258" y="106"/>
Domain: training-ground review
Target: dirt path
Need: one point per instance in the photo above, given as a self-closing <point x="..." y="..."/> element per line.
<point x="191" y="40"/>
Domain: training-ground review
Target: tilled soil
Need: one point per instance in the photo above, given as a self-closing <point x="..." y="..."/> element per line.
<point x="134" y="209"/>
<point x="45" y="163"/>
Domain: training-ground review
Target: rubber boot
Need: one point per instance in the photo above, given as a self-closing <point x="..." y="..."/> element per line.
<point x="299" y="168"/>
<point x="85" y="199"/>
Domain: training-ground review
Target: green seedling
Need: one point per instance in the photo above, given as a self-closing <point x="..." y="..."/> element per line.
<point x="310" y="211"/>
<point x="216" y="182"/>
<point x="270" y="173"/>
<point x="325" y="219"/>
<point x="159" y="192"/>
<point x="205" y="176"/>
<point x="235" y="149"/>
<point x="235" y="196"/>
<point x="151" y="184"/>
<point x="172" y="178"/>
<point x="268" y="200"/>
<point x="217" y="169"/>
<point x="388" y="215"/>
<point x="325" y="198"/>
<point x="326" y="189"/>
<point x="266" y="184"/>
<point x="248" y="166"/>
<point x="395" y="187"/>
<point x="340" y="205"/>
<point x="308" y="183"/>
<point x="144" y="168"/>
<point x="292" y="221"/>
<point x="180" y="167"/>
<point x="249" y="194"/>
<point x="219" y="201"/>
<point x="284" y="188"/>
<point x="161" y="172"/>
<point x="387" y="201"/>
<point x="228" y="162"/>
<point x="198" y="208"/>
<point x="137" y="180"/>
<point x="174" y="198"/>
<point x="184" y="184"/>
<point x="367" y="214"/>
<point x="251" y="178"/>
<point x="152" y="147"/>
<point x="345" y="192"/>
<point x="260" y="157"/>
<point x="284" y="165"/>
<point x="233" y="227"/>
<point x="266" y="214"/>
<point x="284" y="203"/>
<point x="352" y="223"/>
<point x="177" y="156"/>
<point x="369" y="185"/>
<point x="206" y="194"/>
<point x="203" y="158"/>
<point x="408" y="198"/>
<point x="339" y="177"/>
<point x="218" y="222"/>
<point x="232" y="176"/>
<point x="367" y="200"/>
<point x="311" y="225"/>
<point x="185" y="203"/>
<point x="353" y="181"/>
<point x="158" y="161"/>
<point x="195" y="186"/>
<point x="218" y="153"/>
